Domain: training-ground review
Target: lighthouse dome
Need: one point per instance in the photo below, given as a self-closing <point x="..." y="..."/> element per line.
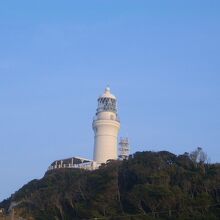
<point x="107" y="94"/>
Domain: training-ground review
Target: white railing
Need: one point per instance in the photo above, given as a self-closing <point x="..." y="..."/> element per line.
<point x="87" y="166"/>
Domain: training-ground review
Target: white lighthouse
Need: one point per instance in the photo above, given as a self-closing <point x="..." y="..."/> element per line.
<point x="106" y="126"/>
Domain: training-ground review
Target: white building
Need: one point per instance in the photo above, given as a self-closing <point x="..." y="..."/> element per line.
<point x="106" y="126"/>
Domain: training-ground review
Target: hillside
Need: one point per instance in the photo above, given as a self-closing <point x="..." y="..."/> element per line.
<point x="149" y="185"/>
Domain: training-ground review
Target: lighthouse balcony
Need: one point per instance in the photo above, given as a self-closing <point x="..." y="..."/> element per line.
<point x="109" y="117"/>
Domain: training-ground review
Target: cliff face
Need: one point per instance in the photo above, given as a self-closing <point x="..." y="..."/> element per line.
<point x="147" y="186"/>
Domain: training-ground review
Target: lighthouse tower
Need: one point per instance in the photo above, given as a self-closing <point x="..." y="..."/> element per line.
<point x="106" y="126"/>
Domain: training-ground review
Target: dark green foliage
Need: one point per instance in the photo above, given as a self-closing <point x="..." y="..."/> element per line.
<point x="148" y="186"/>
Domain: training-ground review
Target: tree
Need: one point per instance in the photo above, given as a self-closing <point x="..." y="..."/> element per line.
<point x="198" y="156"/>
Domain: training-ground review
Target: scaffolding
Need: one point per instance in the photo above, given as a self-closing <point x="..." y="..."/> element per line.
<point x="124" y="149"/>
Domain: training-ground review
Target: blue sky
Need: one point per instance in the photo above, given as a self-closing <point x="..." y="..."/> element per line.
<point x="161" y="59"/>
